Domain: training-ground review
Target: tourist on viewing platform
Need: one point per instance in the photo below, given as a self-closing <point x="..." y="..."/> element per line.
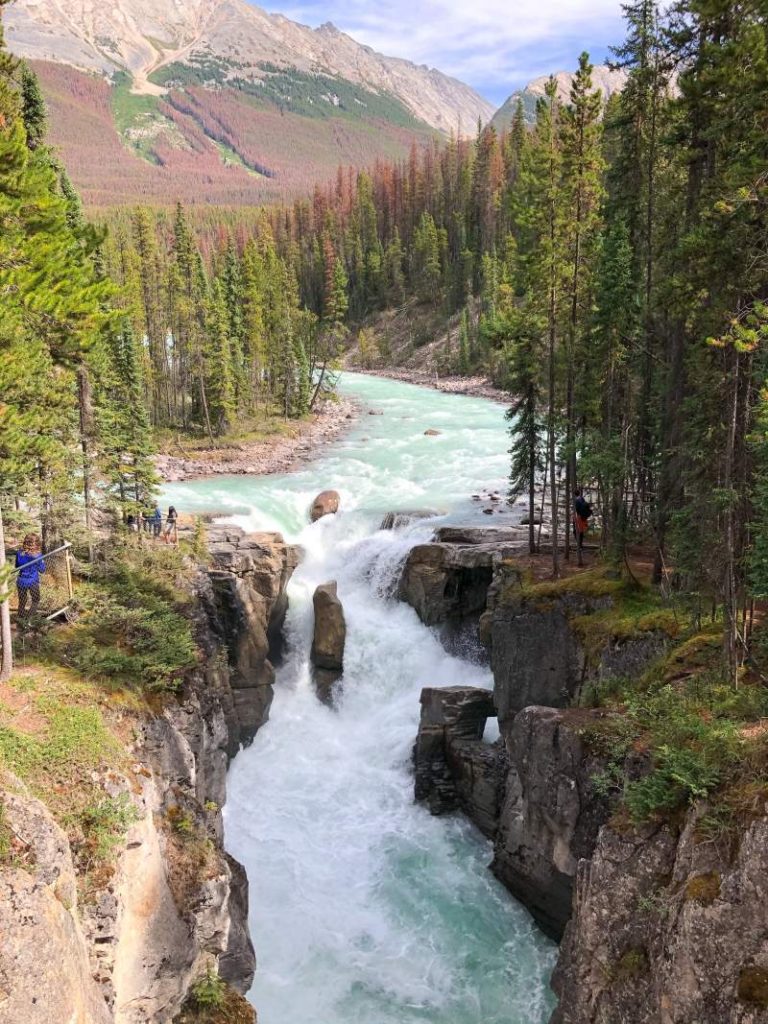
<point x="582" y="512"/>
<point x="169" y="534"/>
<point x="30" y="565"/>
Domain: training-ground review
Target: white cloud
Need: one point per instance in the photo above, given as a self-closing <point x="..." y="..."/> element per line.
<point x="495" y="45"/>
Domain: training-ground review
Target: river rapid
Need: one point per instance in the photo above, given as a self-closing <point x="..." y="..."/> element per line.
<point x="364" y="908"/>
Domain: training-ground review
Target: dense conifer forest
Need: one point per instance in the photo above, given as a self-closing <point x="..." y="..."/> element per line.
<point x="607" y="266"/>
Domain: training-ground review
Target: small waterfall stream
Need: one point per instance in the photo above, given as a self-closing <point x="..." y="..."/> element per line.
<point x="364" y="908"/>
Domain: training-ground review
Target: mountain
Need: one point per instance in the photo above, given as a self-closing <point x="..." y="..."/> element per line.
<point x="606" y="79"/>
<point x="219" y="101"/>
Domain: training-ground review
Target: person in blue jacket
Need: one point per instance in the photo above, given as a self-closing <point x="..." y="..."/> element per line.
<point x="30" y="565"/>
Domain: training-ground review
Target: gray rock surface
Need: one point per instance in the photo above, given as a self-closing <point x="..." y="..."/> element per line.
<point x="551" y="812"/>
<point x="250" y="574"/>
<point x="45" y="973"/>
<point x="668" y="929"/>
<point x="329" y="639"/>
<point x="453" y="767"/>
<point x="446" y="582"/>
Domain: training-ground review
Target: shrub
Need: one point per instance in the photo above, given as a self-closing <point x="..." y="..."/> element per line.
<point x="703" y="889"/>
<point x="210" y="991"/>
<point x="132" y="630"/>
<point x="105" y="824"/>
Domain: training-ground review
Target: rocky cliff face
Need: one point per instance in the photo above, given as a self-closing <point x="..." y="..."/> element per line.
<point x="250" y="574"/>
<point x="173" y="905"/>
<point x="669" y="927"/>
<point x="663" y="924"/>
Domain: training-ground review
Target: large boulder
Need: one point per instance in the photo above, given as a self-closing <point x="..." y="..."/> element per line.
<point x="250" y="574"/>
<point x="329" y="639"/>
<point x="325" y="504"/>
<point x="398" y="520"/>
<point x="454" y="767"/>
<point x="446" y="582"/>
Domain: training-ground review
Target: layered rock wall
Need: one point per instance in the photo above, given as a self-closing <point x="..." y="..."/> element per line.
<point x="173" y="905"/>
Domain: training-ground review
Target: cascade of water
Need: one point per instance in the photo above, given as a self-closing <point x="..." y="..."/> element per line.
<point x="364" y="908"/>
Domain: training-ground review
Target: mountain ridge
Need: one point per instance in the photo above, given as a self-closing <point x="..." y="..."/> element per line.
<point x="145" y="36"/>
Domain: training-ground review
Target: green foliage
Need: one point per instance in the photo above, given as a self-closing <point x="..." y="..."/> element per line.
<point x="104" y="824"/>
<point x="210" y="990"/>
<point x="132" y="630"/>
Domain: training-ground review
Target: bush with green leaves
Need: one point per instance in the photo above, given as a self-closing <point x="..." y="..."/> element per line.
<point x="210" y="991"/>
<point x="132" y="630"/>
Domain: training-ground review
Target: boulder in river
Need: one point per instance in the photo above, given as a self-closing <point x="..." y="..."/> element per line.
<point x="325" y="504"/>
<point x="329" y="639"/>
<point x="396" y="520"/>
<point x="432" y="433"/>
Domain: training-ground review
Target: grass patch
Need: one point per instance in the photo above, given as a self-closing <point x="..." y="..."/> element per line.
<point x="601" y="581"/>
<point x="55" y="736"/>
<point x="133" y="630"/>
<point x="700" y="738"/>
<point x="752" y="987"/>
<point x="631" y="964"/>
<point x="703" y="889"/>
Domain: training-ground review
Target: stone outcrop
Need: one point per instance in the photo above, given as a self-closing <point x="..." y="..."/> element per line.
<point x="668" y="929"/>
<point x="454" y="768"/>
<point x="173" y="905"/>
<point x="250" y="573"/>
<point x="551" y="812"/>
<point x="325" y="504"/>
<point x="538" y="655"/>
<point x="329" y="639"/>
<point x="448" y="580"/>
<point x="45" y="974"/>
<point x="397" y="520"/>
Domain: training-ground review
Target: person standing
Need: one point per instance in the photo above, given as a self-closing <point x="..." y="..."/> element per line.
<point x="30" y="565"/>
<point x="157" y="521"/>
<point x="582" y="512"/>
<point x="171" y="521"/>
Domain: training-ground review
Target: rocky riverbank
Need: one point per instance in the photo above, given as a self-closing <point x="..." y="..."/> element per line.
<point x="477" y="387"/>
<point x="278" y="454"/>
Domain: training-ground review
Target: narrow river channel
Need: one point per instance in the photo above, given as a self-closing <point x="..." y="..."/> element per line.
<point x="364" y="908"/>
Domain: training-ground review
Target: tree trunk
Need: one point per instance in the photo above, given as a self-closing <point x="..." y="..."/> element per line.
<point x="730" y="590"/>
<point x="86" y="430"/>
<point x="6" y="655"/>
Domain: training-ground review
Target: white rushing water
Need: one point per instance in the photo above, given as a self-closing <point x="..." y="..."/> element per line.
<point x="364" y="908"/>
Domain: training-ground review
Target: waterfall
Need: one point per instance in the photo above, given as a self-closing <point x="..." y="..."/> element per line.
<point x="364" y="908"/>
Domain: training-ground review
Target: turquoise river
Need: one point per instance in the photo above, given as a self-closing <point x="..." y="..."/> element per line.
<point x="364" y="908"/>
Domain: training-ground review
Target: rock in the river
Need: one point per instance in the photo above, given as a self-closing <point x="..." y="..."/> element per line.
<point x="453" y="766"/>
<point x="250" y="576"/>
<point x="397" y="520"/>
<point x="325" y="504"/>
<point x="329" y="638"/>
<point x="432" y="433"/>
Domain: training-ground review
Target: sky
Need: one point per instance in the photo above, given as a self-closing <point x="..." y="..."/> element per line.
<point x="496" y="46"/>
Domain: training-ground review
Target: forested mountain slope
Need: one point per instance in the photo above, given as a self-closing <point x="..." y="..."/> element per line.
<point x="218" y="101"/>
